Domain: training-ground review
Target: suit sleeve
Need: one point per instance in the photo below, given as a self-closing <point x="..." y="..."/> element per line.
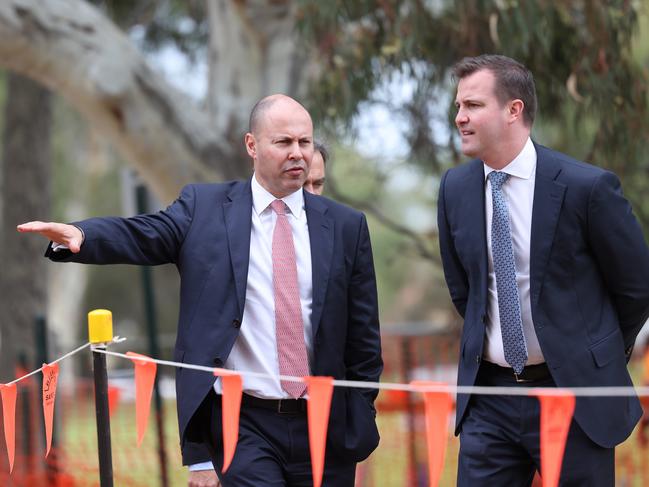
<point x="194" y="453"/>
<point x="142" y="240"/>
<point x="456" y="278"/>
<point x="621" y="253"/>
<point x="363" y="346"/>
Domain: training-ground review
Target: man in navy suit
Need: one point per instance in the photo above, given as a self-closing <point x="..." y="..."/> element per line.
<point x="548" y="267"/>
<point x="201" y="473"/>
<point x="221" y="239"/>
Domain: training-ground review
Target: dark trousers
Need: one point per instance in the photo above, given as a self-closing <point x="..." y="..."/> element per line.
<point x="500" y="442"/>
<point x="272" y="450"/>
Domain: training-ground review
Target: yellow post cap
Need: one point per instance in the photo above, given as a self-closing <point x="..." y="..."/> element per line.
<point x="100" y="326"/>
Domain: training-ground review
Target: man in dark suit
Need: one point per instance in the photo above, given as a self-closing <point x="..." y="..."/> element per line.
<point x="256" y="257"/>
<point x="548" y="267"/>
<point x="202" y="474"/>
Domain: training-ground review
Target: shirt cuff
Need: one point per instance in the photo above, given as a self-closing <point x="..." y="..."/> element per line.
<point x="201" y="466"/>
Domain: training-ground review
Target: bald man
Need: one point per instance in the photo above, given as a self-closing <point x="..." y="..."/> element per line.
<point x="228" y="241"/>
<point x="201" y="470"/>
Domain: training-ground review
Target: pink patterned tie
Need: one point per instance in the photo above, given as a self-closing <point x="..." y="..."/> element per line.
<point x="289" y="327"/>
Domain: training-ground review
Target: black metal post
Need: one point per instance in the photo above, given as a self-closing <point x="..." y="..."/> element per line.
<point x="154" y="349"/>
<point x="103" y="420"/>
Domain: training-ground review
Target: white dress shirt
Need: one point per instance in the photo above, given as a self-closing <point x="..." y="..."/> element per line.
<point x="519" y="192"/>
<point x="255" y="349"/>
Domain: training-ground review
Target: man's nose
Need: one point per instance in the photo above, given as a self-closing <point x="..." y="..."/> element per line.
<point x="295" y="152"/>
<point x="461" y="118"/>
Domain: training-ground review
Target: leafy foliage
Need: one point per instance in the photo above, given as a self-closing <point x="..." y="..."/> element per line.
<point x="177" y="22"/>
<point x="579" y="51"/>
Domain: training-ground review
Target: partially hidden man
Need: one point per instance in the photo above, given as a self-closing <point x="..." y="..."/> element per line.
<point x="273" y="280"/>
<point x="548" y="267"/>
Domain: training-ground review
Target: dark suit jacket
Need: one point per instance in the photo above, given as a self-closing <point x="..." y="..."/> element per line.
<point x="589" y="280"/>
<point x="206" y="234"/>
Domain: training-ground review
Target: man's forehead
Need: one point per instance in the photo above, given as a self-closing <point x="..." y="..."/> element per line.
<point x="475" y="85"/>
<point x="288" y="119"/>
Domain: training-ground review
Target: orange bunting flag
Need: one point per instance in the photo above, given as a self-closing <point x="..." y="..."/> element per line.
<point x="50" y="379"/>
<point x="230" y="408"/>
<point x="114" y="394"/>
<point x="320" y="390"/>
<point x="556" y="415"/>
<point x="9" y="415"/>
<point x="144" y="379"/>
<point x="438" y="407"/>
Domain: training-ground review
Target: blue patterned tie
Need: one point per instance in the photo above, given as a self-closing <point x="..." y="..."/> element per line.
<point x="509" y="304"/>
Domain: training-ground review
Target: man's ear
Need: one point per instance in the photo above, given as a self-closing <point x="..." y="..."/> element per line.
<point x="251" y="145"/>
<point x="516" y="108"/>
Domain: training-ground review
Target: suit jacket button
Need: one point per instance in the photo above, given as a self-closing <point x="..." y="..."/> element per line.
<point x="236" y="323"/>
<point x="218" y="362"/>
<point x="477" y="359"/>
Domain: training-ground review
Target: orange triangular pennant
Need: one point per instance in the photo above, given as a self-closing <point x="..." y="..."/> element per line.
<point x="8" y="393"/>
<point x="144" y="379"/>
<point x="50" y="379"/>
<point x="114" y="394"/>
<point x="556" y="415"/>
<point x="438" y="408"/>
<point x="230" y="408"/>
<point x="320" y="390"/>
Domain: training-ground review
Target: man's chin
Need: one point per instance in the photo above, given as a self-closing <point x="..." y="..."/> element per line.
<point x="469" y="150"/>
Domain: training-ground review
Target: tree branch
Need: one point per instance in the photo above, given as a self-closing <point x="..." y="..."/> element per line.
<point x="70" y="47"/>
<point x="418" y="241"/>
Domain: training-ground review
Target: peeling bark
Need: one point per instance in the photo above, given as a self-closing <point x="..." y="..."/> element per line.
<point x="70" y="47"/>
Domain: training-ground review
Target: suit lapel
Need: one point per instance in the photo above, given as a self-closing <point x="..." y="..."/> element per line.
<point x="548" y="199"/>
<point x="237" y="213"/>
<point x="321" y="236"/>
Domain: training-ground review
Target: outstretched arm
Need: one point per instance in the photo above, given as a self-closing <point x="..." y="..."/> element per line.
<point x="59" y="233"/>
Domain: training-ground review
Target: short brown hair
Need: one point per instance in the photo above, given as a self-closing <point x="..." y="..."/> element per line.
<point x="513" y="80"/>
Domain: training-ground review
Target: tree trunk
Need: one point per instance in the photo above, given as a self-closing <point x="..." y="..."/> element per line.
<point x="26" y="194"/>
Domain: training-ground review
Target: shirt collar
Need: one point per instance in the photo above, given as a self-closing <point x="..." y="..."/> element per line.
<point x="522" y="166"/>
<point x="261" y="199"/>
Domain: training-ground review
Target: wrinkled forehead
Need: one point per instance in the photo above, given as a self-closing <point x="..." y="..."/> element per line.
<point x="317" y="165"/>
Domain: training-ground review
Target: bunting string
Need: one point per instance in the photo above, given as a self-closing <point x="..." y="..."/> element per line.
<point x="34" y="372"/>
<point x="557" y="406"/>
<point x="395" y="386"/>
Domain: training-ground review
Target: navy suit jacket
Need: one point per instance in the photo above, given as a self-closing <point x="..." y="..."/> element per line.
<point x="206" y="234"/>
<point x="589" y="281"/>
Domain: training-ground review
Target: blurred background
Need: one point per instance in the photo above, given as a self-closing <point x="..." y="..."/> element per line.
<point x="108" y="107"/>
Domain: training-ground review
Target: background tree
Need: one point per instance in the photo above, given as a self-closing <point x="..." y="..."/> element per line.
<point x="339" y="57"/>
<point x="26" y="173"/>
<point x="592" y="92"/>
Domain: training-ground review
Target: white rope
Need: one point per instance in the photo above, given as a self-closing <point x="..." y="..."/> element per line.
<point x="393" y="386"/>
<point x="34" y="372"/>
<point x="117" y="339"/>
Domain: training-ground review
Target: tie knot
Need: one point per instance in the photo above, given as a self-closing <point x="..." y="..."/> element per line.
<point x="498" y="178"/>
<point x="278" y="207"/>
